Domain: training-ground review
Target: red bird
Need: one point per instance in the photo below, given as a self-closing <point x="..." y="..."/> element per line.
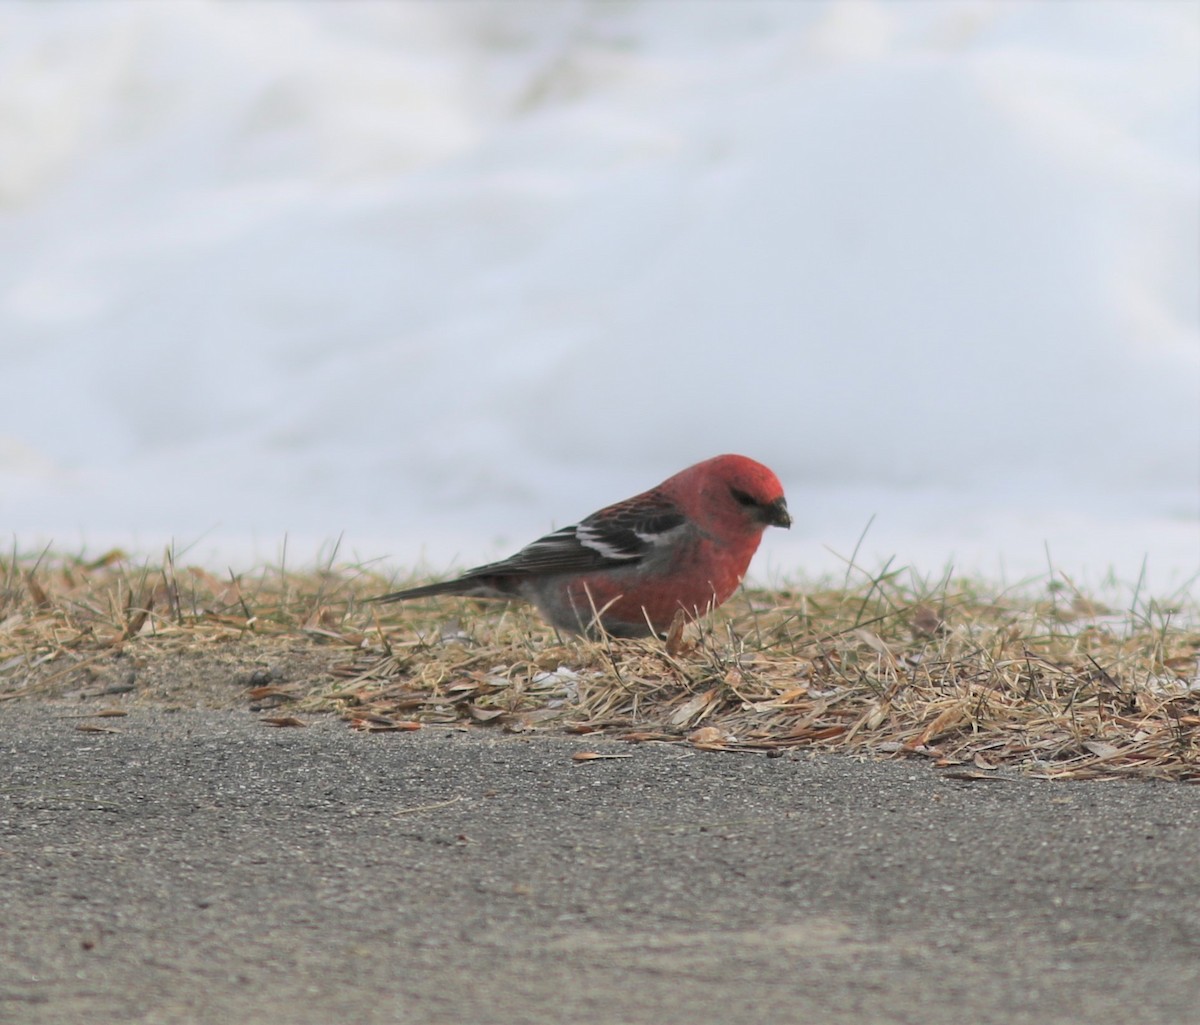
<point x="631" y="567"/>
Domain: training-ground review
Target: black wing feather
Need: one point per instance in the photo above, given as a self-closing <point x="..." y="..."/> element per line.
<point x="621" y="535"/>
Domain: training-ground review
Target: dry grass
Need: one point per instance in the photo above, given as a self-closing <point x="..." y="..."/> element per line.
<point x="1048" y="681"/>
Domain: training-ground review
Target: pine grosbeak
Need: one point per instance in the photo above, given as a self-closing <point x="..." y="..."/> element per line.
<point x="632" y="566"/>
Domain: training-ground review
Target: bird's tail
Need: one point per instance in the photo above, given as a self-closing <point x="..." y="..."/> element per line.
<point x="429" y="590"/>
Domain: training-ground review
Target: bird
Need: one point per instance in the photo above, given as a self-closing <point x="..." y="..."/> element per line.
<point x="628" y="569"/>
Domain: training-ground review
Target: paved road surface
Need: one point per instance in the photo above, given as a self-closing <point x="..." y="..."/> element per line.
<point x="201" y="867"/>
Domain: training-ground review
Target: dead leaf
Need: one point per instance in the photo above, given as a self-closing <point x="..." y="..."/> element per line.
<point x="282" y="720"/>
<point x="705" y="735"/>
<point x="710" y="738"/>
<point x="695" y="708"/>
<point x="594" y="756"/>
<point x="322" y="620"/>
<point x="877" y="715"/>
<point x="674" y="642"/>
<point x="261" y="693"/>
<point x="810" y="733"/>
<point x="949" y="717"/>
<point x="380" y="724"/>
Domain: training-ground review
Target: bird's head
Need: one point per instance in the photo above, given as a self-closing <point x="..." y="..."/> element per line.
<point x="751" y="488"/>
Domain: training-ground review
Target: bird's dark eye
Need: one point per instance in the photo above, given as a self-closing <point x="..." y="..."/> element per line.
<point x="743" y="497"/>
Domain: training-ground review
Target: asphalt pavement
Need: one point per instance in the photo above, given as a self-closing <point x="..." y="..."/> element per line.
<point x="196" y="867"/>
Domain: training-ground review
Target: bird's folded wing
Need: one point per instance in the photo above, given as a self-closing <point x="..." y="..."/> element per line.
<point x="619" y="536"/>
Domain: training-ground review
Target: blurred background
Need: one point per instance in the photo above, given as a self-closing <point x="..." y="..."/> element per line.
<point x="436" y="277"/>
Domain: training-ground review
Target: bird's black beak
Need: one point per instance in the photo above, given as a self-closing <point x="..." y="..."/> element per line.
<point x="775" y="514"/>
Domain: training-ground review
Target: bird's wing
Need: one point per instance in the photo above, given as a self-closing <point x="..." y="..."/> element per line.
<point x="620" y="536"/>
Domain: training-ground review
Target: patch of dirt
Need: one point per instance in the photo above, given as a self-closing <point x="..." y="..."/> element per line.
<point x="247" y="673"/>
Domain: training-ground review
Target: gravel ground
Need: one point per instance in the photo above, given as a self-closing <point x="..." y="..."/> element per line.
<point x="200" y="866"/>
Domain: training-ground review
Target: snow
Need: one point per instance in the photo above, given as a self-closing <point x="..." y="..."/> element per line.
<point x="434" y="278"/>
